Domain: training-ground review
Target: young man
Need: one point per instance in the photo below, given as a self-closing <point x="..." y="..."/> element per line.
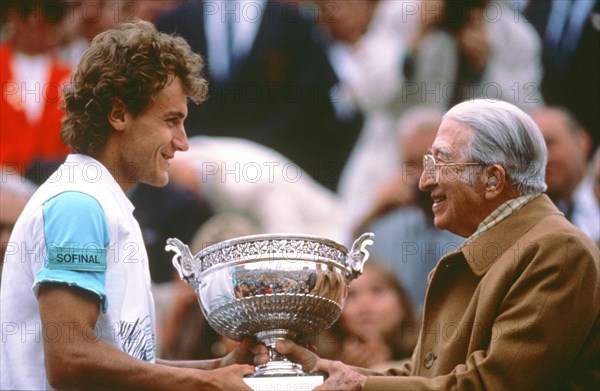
<point x="77" y="311"/>
<point x="517" y="306"/>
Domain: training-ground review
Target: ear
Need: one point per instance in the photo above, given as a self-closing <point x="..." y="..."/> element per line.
<point x="494" y="180"/>
<point x="117" y="116"/>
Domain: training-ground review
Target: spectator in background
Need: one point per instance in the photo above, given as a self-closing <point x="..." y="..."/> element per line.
<point x="570" y="32"/>
<point x="415" y="132"/>
<point x="270" y="82"/>
<point x="460" y="50"/>
<point x="150" y="10"/>
<point x="31" y="78"/>
<point x="378" y="324"/>
<point x="239" y="176"/>
<point x="569" y="185"/>
<point x="368" y="68"/>
<point x="88" y="18"/>
<point x="14" y="194"/>
<point x="401" y="217"/>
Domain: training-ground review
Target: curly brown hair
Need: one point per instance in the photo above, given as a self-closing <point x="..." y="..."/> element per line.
<point x="131" y="63"/>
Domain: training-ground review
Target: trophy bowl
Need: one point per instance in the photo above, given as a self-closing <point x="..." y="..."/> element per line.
<point x="272" y="286"/>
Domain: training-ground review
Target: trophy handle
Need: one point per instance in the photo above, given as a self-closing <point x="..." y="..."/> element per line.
<point x="358" y="255"/>
<point x="182" y="260"/>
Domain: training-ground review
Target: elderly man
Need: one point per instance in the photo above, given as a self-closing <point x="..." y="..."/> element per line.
<point x="516" y="306"/>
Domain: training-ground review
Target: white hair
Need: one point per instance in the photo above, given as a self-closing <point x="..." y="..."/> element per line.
<point x="505" y="135"/>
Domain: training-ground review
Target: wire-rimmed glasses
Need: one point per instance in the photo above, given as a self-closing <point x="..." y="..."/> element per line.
<point x="431" y="166"/>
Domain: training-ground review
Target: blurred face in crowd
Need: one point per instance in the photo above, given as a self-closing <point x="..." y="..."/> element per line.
<point x="150" y="9"/>
<point x="347" y="20"/>
<point x="373" y="307"/>
<point x="37" y="27"/>
<point x="457" y="205"/>
<point x="567" y="152"/>
<point x="97" y="16"/>
<point x="413" y="147"/>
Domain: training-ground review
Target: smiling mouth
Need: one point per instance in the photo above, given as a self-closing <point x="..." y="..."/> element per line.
<point x="437" y="200"/>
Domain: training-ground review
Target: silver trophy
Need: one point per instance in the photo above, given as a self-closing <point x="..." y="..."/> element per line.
<point x="272" y="286"/>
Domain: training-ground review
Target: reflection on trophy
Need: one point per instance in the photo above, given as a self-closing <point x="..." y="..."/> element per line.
<point x="272" y="286"/>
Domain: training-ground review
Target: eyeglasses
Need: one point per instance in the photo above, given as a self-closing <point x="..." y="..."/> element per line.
<point x="430" y="166"/>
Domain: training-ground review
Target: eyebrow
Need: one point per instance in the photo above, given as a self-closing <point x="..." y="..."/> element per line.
<point x="442" y="152"/>
<point x="174" y="113"/>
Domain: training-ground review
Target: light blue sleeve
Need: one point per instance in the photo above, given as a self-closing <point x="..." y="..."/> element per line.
<point x="77" y="239"/>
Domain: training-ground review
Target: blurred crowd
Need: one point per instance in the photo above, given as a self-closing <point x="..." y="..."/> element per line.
<point x="318" y="116"/>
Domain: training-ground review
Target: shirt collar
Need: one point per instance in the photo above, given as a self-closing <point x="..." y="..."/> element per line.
<point x="500" y="213"/>
<point x="481" y="252"/>
<point x="94" y="171"/>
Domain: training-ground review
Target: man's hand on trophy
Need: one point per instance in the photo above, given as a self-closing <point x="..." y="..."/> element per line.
<point x="261" y="354"/>
<point x="244" y="353"/>
<point x="299" y="354"/>
<point x="340" y="376"/>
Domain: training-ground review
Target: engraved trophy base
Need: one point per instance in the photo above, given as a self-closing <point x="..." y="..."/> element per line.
<point x="305" y="382"/>
<point x="283" y="375"/>
<point x="280" y="373"/>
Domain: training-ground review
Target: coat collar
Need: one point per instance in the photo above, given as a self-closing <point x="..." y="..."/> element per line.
<point x="481" y="252"/>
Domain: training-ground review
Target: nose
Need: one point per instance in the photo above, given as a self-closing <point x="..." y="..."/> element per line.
<point x="426" y="181"/>
<point x="180" y="139"/>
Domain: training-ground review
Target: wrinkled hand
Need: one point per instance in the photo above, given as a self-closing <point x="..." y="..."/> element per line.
<point x="298" y="354"/>
<point x="341" y="377"/>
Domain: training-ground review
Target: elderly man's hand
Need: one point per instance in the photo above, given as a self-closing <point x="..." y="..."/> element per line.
<point x="298" y="354"/>
<point x="340" y="376"/>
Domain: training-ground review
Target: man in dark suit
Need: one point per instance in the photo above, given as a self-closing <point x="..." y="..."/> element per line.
<point x="570" y="31"/>
<point x="273" y="85"/>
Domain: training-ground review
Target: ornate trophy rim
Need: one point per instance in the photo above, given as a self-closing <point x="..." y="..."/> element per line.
<point x="218" y="255"/>
<point x="271" y="236"/>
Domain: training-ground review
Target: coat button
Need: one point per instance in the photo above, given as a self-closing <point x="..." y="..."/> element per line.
<point x="429" y="359"/>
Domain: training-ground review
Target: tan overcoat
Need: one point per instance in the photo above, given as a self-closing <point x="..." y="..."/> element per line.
<point x="516" y="309"/>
